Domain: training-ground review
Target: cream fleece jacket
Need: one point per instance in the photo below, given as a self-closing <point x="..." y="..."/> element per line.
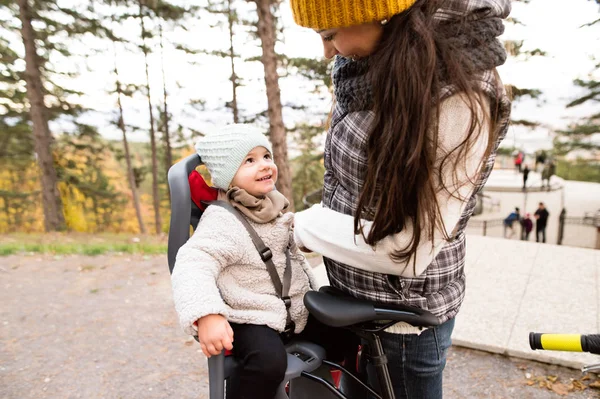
<point x="219" y="271"/>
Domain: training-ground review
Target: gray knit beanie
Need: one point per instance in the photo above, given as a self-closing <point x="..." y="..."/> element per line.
<point x="224" y="151"/>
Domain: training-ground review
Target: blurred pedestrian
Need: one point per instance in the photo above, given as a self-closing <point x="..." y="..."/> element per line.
<point x="519" y="160"/>
<point x="540" y="159"/>
<point x="546" y="176"/>
<point x="527" y="226"/>
<point x="547" y="173"/>
<point x="509" y="223"/>
<point x="525" y="177"/>
<point x="541" y="220"/>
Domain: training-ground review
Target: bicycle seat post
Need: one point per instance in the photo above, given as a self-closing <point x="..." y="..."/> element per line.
<point x="378" y="359"/>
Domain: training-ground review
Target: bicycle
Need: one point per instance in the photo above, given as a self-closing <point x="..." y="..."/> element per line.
<point x="568" y="343"/>
<point x="328" y="305"/>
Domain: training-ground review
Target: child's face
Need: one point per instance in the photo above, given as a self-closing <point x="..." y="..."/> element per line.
<point x="257" y="174"/>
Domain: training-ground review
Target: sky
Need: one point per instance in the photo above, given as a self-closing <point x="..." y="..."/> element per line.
<point x="549" y="25"/>
<point x="555" y="29"/>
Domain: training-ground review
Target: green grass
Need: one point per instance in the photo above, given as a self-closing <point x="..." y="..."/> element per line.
<point x="89" y="245"/>
<point x="8" y="249"/>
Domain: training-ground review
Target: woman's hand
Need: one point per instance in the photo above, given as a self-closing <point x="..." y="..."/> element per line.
<point x="214" y="334"/>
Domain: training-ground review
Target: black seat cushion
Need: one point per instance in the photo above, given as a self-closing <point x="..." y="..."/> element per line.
<point x="337" y="309"/>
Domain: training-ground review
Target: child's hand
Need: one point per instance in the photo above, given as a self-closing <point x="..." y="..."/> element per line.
<point x="214" y="334"/>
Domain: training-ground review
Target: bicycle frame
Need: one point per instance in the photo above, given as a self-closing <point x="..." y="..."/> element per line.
<point x="376" y="356"/>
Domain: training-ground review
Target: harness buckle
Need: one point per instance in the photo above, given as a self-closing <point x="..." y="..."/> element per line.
<point x="288" y="332"/>
<point x="287" y="301"/>
<point x="266" y="254"/>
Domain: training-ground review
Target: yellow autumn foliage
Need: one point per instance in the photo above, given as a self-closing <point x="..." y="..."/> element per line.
<point x="73" y="207"/>
<point x="20" y="199"/>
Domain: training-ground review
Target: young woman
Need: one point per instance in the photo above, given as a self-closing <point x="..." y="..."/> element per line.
<point x="418" y="116"/>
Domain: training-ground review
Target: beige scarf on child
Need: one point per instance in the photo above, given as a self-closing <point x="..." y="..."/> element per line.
<point x="259" y="210"/>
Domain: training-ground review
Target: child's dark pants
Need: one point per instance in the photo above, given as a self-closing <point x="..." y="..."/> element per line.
<point x="264" y="359"/>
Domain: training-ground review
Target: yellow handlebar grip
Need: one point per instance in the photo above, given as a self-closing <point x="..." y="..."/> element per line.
<point x="561" y="342"/>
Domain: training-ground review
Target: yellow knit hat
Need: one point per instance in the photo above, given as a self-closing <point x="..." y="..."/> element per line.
<point x="327" y="14"/>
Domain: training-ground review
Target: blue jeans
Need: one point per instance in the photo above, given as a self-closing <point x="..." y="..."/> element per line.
<point x="416" y="362"/>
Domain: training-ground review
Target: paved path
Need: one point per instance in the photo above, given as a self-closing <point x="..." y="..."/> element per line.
<point x="509" y="180"/>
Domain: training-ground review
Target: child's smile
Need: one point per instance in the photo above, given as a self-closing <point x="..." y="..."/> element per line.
<point x="268" y="177"/>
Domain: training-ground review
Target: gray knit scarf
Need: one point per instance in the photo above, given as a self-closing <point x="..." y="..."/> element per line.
<point x="476" y="40"/>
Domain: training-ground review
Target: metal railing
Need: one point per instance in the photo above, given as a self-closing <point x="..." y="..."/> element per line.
<point x="588" y="219"/>
<point x="484" y="224"/>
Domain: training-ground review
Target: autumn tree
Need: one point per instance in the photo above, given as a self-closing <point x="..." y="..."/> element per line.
<point x="45" y="29"/>
<point x="18" y="178"/>
<point x="173" y="16"/>
<point x="229" y="20"/>
<point x="92" y="202"/>
<point x="43" y="140"/>
<point x="265" y="10"/>
<point x="133" y="186"/>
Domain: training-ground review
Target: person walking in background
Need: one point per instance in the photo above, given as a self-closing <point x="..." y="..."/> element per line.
<point x="541" y="220"/>
<point x="540" y="158"/>
<point x="509" y="223"/>
<point x="547" y="173"/>
<point x="519" y="161"/>
<point x="546" y="176"/>
<point x="525" y="177"/>
<point x="551" y="172"/>
<point x="527" y="226"/>
<point x="522" y="226"/>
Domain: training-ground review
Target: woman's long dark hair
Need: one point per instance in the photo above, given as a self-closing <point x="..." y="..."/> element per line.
<point x="414" y="60"/>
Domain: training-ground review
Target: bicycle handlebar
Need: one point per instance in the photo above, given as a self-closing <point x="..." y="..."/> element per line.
<point x="565" y="342"/>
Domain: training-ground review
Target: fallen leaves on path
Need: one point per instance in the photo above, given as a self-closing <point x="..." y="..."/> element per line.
<point x="552" y="383"/>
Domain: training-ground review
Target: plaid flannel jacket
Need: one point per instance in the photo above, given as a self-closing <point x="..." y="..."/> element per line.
<point x="440" y="289"/>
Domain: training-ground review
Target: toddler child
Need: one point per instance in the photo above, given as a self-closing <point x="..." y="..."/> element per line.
<point x="222" y="289"/>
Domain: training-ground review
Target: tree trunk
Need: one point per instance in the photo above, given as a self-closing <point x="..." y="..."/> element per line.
<point x="19" y="210"/>
<point x="234" y="80"/>
<point x="266" y="32"/>
<point x="155" y="198"/>
<point x="130" y="177"/>
<point x="95" y="211"/>
<point x="54" y="219"/>
<point x="167" y="136"/>
<point x="7" y="211"/>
